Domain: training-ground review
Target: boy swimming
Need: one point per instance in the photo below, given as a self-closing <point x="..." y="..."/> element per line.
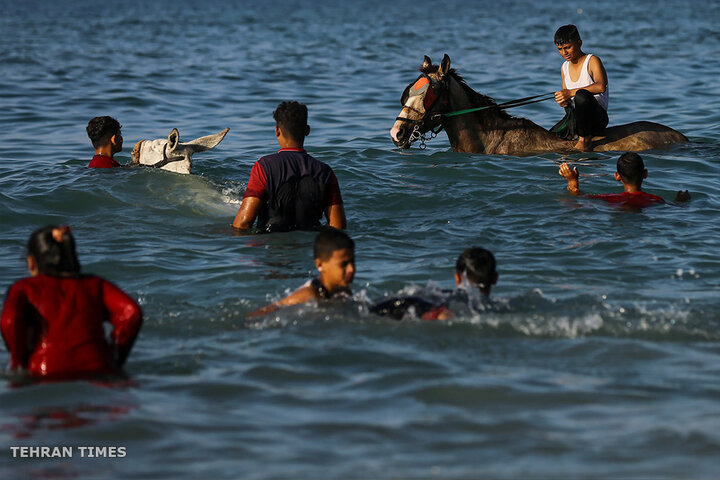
<point x="630" y="172"/>
<point x="475" y="268"/>
<point x="334" y="253"/>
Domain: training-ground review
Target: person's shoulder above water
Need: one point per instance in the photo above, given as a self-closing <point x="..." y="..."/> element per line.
<point x="630" y="199"/>
<point x="102" y="161"/>
<point x="106" y="137"/>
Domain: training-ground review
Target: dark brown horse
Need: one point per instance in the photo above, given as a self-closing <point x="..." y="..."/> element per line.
<point x="440" y="90"/>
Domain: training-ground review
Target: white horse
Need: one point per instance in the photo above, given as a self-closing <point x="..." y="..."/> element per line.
<point x="171" y="155"/>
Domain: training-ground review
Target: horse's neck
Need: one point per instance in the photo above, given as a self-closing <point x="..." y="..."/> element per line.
<point x="489" y="131"/>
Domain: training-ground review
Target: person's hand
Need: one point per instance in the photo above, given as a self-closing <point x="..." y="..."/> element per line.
<point x="568" y="173"/>
<point x="682" y="196"/>
<point x="562" y="97"/>
<point x="571" y="175"/>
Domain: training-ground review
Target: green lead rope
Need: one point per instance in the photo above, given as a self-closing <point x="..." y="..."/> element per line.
<point x="510" y="104"/>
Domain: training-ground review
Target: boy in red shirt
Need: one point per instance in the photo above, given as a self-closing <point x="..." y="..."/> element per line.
<point x="104" y="133"/>
<point x="631" y="172"/>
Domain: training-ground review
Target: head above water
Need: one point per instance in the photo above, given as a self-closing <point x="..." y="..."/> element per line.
<point x="334" y="254"/>
<point x="478" y="266"/>
<point x="101" y="129"/>
<point x="631" y="169"/>
<point x="567" y="34"/>
<point x="329" y="240"/>
<point x="291" y="118"/>
<point x="51" y="251"/>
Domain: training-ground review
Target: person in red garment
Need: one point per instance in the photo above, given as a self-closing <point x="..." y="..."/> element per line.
<point x="52" y="321"/>
<point x="631" y="172"/>
<point x="104" y="133"/>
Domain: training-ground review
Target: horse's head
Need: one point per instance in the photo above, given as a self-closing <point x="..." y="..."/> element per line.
<point x="421" y="101"/>
<point x="169" y="154"/>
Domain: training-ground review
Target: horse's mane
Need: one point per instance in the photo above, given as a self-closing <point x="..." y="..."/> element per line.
<point x="490" y="118"/>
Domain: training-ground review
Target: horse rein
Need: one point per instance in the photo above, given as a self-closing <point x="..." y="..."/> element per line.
<point x="418" y="87"/>
<point x="165" y="160"/>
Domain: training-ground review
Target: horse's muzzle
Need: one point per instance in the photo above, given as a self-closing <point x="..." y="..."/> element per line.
<point x="400" y="135"/>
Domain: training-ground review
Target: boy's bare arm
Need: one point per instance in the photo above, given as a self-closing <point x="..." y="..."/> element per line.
<point x="247" y="213"/>
<point x="572" y="176"/>
<point x="301" y="295"/>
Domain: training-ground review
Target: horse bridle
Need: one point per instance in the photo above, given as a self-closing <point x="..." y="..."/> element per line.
<point x="433" y="91"/>
<point x="165" y="160"/>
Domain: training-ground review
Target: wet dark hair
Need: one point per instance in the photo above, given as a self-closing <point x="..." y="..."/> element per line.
<point x="53" y="248"/>
<point x="100" y="129"/>
<point x="567" y="34"/>
<point x="329" y="240"/>
<point x="631" y="167"/>
<point x="478" y="265"/>
<point x="292" y="117"/>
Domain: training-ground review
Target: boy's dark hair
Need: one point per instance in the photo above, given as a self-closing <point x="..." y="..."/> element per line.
<point x="329" y="240"/>
<point x="631" y="167"/>
<point x="292" y="117"/>
<point x="478" y="265"/>
<point x="100" y="129"/>
<point x="53" y="248"/>
<point x="567" y="34"/>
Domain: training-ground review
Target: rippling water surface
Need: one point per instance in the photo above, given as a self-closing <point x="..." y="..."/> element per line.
<point x="598" y="357"/>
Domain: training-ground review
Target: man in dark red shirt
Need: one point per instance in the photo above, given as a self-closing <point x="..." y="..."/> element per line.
<point x="104" y="133"/>
<point x="631" y="172"/>
<point x="290" y="190"/>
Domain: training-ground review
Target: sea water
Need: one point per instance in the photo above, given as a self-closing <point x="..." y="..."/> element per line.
<point x="599" y="356"/>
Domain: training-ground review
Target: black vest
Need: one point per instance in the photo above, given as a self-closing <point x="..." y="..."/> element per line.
<point x="297" y="191"/>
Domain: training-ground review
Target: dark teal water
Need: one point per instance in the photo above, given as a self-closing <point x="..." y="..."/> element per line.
<point x="599" y="358"/>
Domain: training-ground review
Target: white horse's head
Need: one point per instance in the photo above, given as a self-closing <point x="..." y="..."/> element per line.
<point x="169" y="154"/>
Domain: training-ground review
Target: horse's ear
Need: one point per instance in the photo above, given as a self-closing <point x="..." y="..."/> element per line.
<point x="426" y="62"/>
<point x="173" y="139"/>
<point x="444" y="66"/>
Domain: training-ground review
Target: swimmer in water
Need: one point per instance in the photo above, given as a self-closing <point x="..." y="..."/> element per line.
<point x="334" y="254"/>
<point x="104" y="133"/>
<point x="475" y="268"/>
<point x="53" y="321"/>
<point x="630" y="172"/>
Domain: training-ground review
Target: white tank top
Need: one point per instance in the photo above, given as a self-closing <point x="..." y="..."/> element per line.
<point x="584" y="80"/>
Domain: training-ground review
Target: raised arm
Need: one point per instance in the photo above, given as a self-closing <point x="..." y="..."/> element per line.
<point x="572" y="176"/>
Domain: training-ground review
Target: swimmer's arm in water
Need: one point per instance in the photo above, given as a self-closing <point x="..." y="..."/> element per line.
<point x="247" y="213"/>
<point x="573" y="178"/>
<point x="304" y="294"/>
<point x="335" y="215"/>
